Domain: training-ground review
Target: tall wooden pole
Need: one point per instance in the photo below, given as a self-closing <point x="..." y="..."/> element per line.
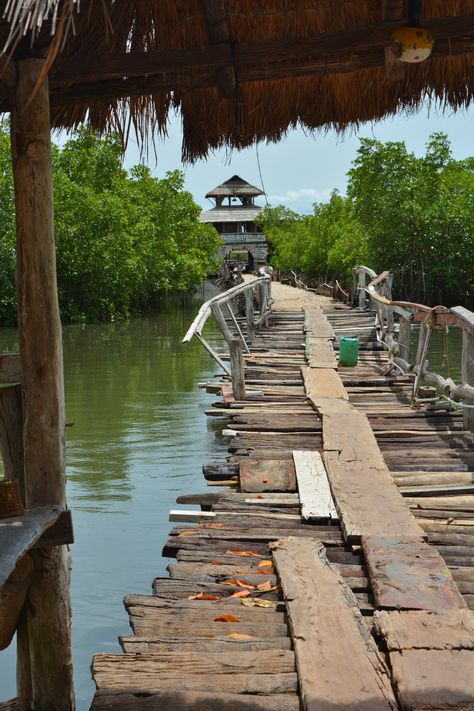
<point x="48" y="609"/>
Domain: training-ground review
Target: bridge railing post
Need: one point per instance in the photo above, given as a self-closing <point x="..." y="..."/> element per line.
<point x="468" y="375"/>
<point x="361" y="287"/>
<point x="237" y="368"/>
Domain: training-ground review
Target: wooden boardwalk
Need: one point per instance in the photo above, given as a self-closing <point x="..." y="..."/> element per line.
<point x="332" y="563"/>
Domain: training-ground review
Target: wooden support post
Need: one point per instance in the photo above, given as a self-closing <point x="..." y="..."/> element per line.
<point x="237" y="368"/>
<point x="468" y="374"/>
<point x="249" y="315"/>
<point x="388" y="295"/>
<point x="362" y="298"/>
<point x="404" y="338"/>
<point x="49" y="614"/>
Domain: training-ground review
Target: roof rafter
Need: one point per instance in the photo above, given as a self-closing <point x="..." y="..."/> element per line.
<point x="218" y="33"/>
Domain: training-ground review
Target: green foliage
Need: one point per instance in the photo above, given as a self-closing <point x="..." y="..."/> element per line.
<point x="122" y="239"/>
<point x="412" y="216"/>
<point x="418" y="214"/>
<point x="323" y="245"/>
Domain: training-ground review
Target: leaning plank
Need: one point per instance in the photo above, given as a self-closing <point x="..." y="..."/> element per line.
<point x="421" y="629"/>
<point x="434" y="679"/>
<point x="20" y="533"/>
<point x="322" y="611"/>
<point x="106" y="700"/>
<point x="313" y="486"/>
<point x="266" y="475"/>
<point x="367" y="500"/>
<point x="323" y="383"/>
<point x="409" y="574"/>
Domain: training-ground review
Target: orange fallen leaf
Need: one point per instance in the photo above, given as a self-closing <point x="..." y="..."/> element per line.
<point x="241" y="594"/>
<point x="188" y="533"/>
<point x="265" y="564"/>
<point x="203" y="596"/>
<point x="267" y="585"/>
<point x="226" y="618"/>
<point x="244" y="553"/>
<point x="211" y="525"/>
<point x="235" y="582"/>
<point x="237" y="635"/>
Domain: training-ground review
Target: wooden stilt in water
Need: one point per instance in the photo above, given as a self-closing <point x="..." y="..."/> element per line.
<point x="48" y="607"/>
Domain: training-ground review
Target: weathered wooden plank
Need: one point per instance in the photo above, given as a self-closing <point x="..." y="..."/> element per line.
<point x="244" y="672"/>
<point x="323" y="383"/>
<point x="267" y="475"/>
<point x="358" y="489"/>
<point x="434" y="679"/>
<point x="322" y="611"/>
<point x="199" y="645"/>
<point x="420" y="629"/>
<point x="106" y="700"/>
<point x="407" y="573"/>
<point x="320" y="353"/>
<point x="313" y="486"/>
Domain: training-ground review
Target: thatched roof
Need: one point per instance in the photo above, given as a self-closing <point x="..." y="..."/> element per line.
<point x="235" y="187"/>
<point x="239" y="71"/>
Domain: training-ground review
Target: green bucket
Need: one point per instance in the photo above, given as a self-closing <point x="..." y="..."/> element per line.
<point x="348" y="351"/>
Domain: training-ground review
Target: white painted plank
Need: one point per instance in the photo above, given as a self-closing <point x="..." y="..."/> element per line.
<point x="313" y="486"/>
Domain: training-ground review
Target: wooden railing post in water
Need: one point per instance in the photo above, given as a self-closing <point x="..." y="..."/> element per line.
<point x="48" y="606"/>
<point x="237" y="368"/>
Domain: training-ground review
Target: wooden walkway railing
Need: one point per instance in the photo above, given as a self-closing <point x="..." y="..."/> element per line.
<point x="233" y="335"/>
<point x="397" y="343"/>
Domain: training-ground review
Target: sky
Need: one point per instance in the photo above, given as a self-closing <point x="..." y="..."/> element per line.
<point x="303" y="169"/>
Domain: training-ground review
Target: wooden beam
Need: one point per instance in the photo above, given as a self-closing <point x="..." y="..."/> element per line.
<point x="48" y="616"/>
<point x="71" y="92"/>
<point x="332" y="47"/>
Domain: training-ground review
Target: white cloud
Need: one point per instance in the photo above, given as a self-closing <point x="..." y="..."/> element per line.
<point x="302" y="195"/>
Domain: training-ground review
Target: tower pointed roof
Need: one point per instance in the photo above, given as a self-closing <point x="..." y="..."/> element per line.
<point x="234" y="187"/>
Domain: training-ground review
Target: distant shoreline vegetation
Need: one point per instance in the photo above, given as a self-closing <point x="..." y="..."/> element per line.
<point x="123" y="239"/>
<point x="412" y="216"/>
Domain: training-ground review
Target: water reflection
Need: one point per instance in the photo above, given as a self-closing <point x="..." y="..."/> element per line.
<point x="137" y="439"/>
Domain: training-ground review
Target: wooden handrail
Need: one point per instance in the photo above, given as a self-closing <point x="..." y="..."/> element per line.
<point x="429" y="318"/>
<point x="215" y="305"/>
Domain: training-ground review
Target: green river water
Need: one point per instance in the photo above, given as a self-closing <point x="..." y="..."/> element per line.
<point x="138" y="439"/>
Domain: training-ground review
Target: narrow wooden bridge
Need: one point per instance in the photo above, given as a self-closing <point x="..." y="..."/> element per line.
<point x="331" y="565"/>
